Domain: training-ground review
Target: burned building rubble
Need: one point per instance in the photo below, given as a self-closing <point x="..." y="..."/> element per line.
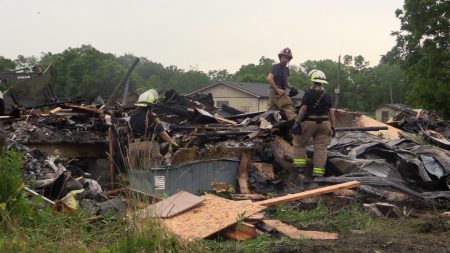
<point x="69" y="147"/>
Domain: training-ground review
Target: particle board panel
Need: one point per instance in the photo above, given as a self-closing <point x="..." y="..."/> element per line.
<point x="366" y="121"/>
<point x="295" y="233"/>
<point x="173" y="205"/>
<point x="213" y="215"/>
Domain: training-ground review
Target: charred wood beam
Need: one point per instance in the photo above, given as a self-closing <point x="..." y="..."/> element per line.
<point x="225" y="133"/>
<point x="180" y="110"/>
<point x="245" y="115"/>
<point x="122" y="82"/>
<point x="352" y="129"/>
<point x="200" y="127"/>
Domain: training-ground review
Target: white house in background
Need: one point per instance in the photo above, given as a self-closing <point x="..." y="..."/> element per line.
<point x="386" y="111"/>
<point x="246" y="97"/>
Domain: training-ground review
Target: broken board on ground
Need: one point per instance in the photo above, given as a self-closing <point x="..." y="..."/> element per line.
<point x="294" y="233"/>
<point x="211" y="216"/>
<point x="173" y="205"/>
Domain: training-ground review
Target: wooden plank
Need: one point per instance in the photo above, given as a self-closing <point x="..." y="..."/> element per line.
<point x="243" y="174"/>
<point x="211" y="216"/>
<point x="243" y="231"/>
<point x="55" y="110"/>
<point x="255" y="217"/>
<point x="248" y="196"/>
<point x="295" y="233"/>
<point x="83" y="108"/>
<point x="173" y="205"/>
<point x="310" y="193"/>
<point x="224" y="120"/>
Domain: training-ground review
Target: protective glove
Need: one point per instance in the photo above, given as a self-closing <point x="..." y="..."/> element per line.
<point x="296" y="128"/>
<point x="293" y="92"/>
<point x="333" y="132"/>
<point x="174" y="144"/>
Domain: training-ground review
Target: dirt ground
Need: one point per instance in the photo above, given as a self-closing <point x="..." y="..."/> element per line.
<point x="425" y="233"/>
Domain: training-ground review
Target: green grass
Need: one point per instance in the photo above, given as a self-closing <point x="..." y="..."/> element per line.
<point x="261" y="243"/>
<point x="30" y="225"/>
<point x="352" y="217"/>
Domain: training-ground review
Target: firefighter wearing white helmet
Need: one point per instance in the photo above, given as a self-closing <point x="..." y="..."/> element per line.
<point x="279" y="99"/>
<point x="147" y="132"/>
<point x="150" y="96"/>
<point x="315" y="119"/>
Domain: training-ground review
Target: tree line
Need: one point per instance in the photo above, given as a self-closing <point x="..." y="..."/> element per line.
<point x="415" y="71"/>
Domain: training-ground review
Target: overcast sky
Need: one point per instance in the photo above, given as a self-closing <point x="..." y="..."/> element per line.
<point x="203" y="34"/>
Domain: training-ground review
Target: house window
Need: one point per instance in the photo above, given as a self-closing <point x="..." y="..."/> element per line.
<point x="384" y="116"/>
<point x="220" y="103"/>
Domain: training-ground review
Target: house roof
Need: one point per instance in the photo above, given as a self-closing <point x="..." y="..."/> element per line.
<point x="260" y="90"/>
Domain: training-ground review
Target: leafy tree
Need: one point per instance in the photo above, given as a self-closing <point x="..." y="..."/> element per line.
<point x="219" y="75"/>
<point x="25" y="62"/>
<point x="86" y="72"/>
<point x="254" y="73"/>
<point x="6" y="64"/>
<point x="423" y="50"/>
<point x="184" y="82"/>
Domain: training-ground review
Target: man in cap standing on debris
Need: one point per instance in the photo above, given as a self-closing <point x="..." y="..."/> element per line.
<point x="315" y="119"/>
<point x="278" y="84"/>
<point x="147" y="130"/>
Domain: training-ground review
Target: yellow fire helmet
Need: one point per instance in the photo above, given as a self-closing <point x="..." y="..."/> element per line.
<point x="317" y="76"/>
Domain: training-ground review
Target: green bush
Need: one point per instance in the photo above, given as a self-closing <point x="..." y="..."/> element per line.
<point x="11" y="191"/>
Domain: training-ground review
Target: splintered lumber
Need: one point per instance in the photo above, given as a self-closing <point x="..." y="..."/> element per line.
<point x="295" y="233"/>
<point x="283" y="152"/>
<point x="255" y="217"/>
<point x="240" y="232"/>
<point x="213" y="215"/>
<point x="354" y="129"/>
<point x="224" y="120"/>
<point x="173" y="205"/>
<point x="243" y="174"/>
<point x="310" y="193"/>
<point x="83" y="108"/>
<point x="248" y="196"/>
<point x="53" y="111"/>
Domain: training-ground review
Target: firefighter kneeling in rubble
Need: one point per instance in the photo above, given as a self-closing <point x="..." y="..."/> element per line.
<point x="147" y="130"/>
<point x="315" y="119"/>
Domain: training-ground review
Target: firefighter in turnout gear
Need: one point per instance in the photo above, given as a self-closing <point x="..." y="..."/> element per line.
<point x="315" y="119"/>
<point x="278" y="84"/>
<point x="147" y="131"/>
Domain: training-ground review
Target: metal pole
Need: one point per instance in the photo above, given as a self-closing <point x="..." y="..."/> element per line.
<point x="390" y="93"/>
<point x="338" y="85"/>
<point x="125" y="92"/>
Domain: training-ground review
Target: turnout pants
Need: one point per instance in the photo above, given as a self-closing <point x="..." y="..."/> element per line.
<point x="283" y="103"/>
<point x="321" y="134"/>
<point x="144" y="154"/>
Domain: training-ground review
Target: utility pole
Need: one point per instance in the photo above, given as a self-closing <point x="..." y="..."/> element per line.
<point x="390" y="93"/>
<point x="338" y="85"/>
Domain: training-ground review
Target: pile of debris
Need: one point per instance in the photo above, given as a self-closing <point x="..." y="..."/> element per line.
<point x="73" y="152"/>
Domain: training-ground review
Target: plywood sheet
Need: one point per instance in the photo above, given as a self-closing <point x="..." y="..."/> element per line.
<point x="294" y="233"/>
<point x="213" y="215"/>
<point x="173" y="205"/>
<point x="366" y="121"/>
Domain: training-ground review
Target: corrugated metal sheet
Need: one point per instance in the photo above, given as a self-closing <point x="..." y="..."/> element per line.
<point x="194" y="176"/>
